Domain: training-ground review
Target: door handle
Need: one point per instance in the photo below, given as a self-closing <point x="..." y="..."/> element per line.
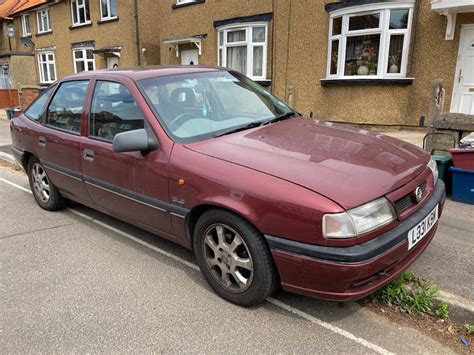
<point x="460" y="77"/>
<point x="41" y="141"/>
<point x="88" y="154"/>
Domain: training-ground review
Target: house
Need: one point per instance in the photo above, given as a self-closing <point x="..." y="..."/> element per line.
<point x="354" y="61"/>
<point x="65" y="37"/>
<point x="357" y="61"/>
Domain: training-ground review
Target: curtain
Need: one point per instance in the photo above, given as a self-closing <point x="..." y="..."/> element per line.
<point x="237" y="59"/>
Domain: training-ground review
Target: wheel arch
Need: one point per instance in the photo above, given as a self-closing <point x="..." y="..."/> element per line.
<point x="238" y="209"/>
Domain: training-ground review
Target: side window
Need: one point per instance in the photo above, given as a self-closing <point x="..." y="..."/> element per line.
<point x="36" y="109"/>
<point x="65" y="109"/>
<point x="113" y="111"/>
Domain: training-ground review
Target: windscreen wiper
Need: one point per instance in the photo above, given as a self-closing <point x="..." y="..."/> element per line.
<point x="241" y="128"/>
<point x="282" y="117"/>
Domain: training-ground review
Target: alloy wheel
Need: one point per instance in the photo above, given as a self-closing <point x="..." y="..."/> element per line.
<point x="228" y="258"/>
<point x="41" y="184"/>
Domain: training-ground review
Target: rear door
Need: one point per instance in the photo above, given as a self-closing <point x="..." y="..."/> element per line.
<point x="60" y="141"/>
<point x="114" y="180"/>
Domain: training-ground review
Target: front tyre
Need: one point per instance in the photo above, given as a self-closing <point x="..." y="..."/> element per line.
<point x="46" y="194"/>
<point x="234" y="258"/>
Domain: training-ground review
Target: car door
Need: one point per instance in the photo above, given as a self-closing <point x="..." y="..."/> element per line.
<point x="113" y="179"/>
<point x="60" y="140"/>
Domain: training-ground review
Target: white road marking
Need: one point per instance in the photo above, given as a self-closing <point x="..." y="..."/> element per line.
<point x="271" y="300"/>
<point x="15" y="185"/>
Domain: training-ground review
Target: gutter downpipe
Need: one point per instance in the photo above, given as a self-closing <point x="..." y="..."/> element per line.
<point x="137" y="34"/>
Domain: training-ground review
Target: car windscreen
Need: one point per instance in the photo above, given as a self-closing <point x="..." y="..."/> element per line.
<point x="199" y="106"/>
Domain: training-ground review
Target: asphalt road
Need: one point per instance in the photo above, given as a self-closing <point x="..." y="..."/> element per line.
<point x="80" y="281"/>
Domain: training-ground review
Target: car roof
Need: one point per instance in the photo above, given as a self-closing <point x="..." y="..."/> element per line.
<point x="139" y="73"/>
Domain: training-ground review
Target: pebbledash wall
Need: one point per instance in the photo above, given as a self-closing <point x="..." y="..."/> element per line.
<point x="298" y="55"/>
<point x="296" y="48"/>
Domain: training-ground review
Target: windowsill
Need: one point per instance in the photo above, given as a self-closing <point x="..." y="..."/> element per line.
<point x="44" y="33"/>
<point x="379" y="81"/>
<point x="107" y="20"/>
<point x="26" y="36"/>
<point x="73" y="27"/>
<point x="178" y="6"/>
<point x="264" y="83"/>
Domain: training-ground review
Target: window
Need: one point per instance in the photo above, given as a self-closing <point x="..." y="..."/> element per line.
<point x="369" y="41"/>
<point x="43" y="21"/>
<point x="47" y="67"/>
<point x="113" y="111"/>
<point x="108" y="9"/>
<point x="36" y="109"/>
<point x="65" y="109"/>
<point x="197" y="106"/>
<point x="244" y="49"/>
<point x="25" y="25"/>
<point x="80" y="12"/>
<point x="84" y="59"/>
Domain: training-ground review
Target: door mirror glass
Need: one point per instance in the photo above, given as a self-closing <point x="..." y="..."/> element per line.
<point x="137" y="140"/>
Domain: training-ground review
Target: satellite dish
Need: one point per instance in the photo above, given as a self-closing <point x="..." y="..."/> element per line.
<point x="10" y="31"/>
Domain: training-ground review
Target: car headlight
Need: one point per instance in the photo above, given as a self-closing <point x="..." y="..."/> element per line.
<point x="434" y="169"/>
<point x="358" y="220"/>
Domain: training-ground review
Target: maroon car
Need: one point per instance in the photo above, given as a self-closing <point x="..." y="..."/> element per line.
<point x="209" y="159"/>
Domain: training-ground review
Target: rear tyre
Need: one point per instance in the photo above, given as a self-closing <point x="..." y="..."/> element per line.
<point x="46" y="194"/>
<point x="234" y="258"/>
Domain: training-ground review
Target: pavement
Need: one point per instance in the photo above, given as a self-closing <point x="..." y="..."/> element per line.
<point x="80" y="281"/>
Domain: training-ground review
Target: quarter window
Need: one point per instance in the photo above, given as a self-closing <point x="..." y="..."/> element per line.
<point x="369" y="44"/>
<point x="44" y="24"/>
<point x="25" y="25"/>
<point x="65" y="109"/>
<point x="244" y="49"/>
<point x="113" y="111"/>
<point x="47" y="67"/>
<point x="84" y="59"/>
<point x="80" y="12"/>
<point x="36" y="109"/>
<point x="108" y="9"/>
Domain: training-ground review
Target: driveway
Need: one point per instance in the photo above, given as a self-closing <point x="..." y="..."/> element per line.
<point x="80" y="281"/>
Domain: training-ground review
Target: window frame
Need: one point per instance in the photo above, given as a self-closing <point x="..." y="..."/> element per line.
<point x="40" y="14"/>
<point x="25" y="33"/>
<point x="47" y="62"/>
<point x="83" y="7"/>
<point x="84" y="58"/>
<point x="107" y="18"/>
<point x="181" y="2"/>
<point x="248" y="27"/>
<point x="384" y="9"/>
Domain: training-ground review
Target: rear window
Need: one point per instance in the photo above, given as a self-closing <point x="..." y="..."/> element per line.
<point x="36" y="109"/>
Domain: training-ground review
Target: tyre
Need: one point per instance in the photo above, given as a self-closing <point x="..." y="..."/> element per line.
<point x="234" y="258"/>
<point x="46" y="194"/>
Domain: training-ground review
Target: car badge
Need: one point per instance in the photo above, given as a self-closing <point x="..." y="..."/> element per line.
<point x="418" y="194"/>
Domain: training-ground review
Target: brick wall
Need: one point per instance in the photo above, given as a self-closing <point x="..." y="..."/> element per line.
<point x="27" y="96"/>
<point x="8" y="98"/>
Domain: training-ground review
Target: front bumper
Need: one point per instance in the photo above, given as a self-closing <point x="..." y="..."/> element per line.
<point x="350" y="273"/>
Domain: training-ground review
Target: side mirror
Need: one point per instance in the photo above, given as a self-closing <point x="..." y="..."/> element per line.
<point x="137" y="140"/>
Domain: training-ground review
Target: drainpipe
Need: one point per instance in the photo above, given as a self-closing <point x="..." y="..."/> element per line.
<point x="137" y="34"/>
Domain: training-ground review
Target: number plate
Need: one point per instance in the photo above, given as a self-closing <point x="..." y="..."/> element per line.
<point x="419" y="231"/>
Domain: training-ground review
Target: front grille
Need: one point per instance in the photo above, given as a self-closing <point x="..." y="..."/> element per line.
<point x="407" y="200"/>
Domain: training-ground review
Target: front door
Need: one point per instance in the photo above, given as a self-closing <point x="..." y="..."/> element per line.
<point x="190" y="57"/>
<point x="463" y="92"/>
<point x="114" y="180"/>
<point x="112" y="62"/>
